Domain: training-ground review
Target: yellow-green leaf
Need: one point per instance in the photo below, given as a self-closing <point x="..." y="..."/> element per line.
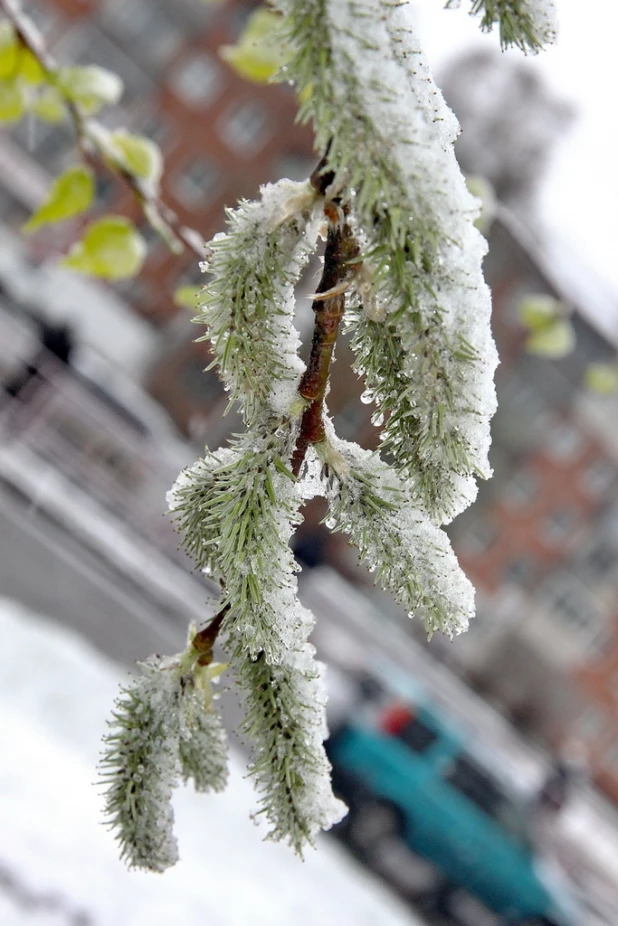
<point x="602" y="378"/>
<point x="15" y="59"/>
<point x="29" y="67"/>
<point x="12" y="100"/>
<point x="71" y="193"/>
<point x="8" y="51"/>
<point x="260" y="50"/>
<point x="539" y="311"/>
<point x="91" y="87"/>
<point x="555" y="340"/>
<point x="111" y="248"/>
<point x="48" y="105"/>
<point x="136" y="154"/>
<point x="187" y="296"/>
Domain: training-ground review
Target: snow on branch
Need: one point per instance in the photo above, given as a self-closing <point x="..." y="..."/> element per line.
<point x="390" y="135"/>
<point x="248" y="305"/>
<point x="525" y="24"/>
<point x="164" y="727"/>
<point x="286" y="722"/>
<point x="237" y="509"/>
<point x="410" y="555"/>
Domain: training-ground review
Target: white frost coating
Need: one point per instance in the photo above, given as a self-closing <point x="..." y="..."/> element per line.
<point x="374" y="39"/>
<point x="286" y="719"/>
<point x="412" y="555"/>
<point x="311" y="482"/>
<point x="544" y="18"/>
<point x="249" y="305"/>
<point x="141" y="767"/>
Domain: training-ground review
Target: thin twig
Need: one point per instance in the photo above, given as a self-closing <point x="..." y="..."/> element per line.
<point x="90" y="136"/>
<point x="340" y="261"/>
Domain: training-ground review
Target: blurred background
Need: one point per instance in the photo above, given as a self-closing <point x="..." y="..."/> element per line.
<point x="105" y="399"/>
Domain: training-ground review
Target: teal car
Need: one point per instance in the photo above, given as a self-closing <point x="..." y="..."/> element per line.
<point x="409" y="774"/>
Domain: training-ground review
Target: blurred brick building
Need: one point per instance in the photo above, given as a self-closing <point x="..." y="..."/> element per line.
<point x="541" y="544"/>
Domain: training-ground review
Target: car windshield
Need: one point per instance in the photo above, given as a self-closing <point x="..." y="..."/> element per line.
<point x="479" y="786"/>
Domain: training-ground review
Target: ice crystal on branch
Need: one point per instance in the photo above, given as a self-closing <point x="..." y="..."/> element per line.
<point x="140" y="766"/>
<point x="164" y="727"/>
<point x="527" y="24"/>
<point x="248" y="306"/>
<point x="286" y="723"/>
<point x="410" y="556"/>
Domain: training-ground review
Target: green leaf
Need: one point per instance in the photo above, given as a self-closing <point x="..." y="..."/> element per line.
<point x="12" y="101"/>
<point x="90" y="87"/>
<point x="136" y="154"/>
<point x="187" y="296"/>
<point x="539" y="311"/>
<point x="260" y="52"/>
<point x="48" y="105"/>
<point x="8" y="51"/>
<point x="602" y="378"/>
<point x="111" y="248"/>
<point x="15" y="59"/>
<point x="554" y="340"/>
<point x="71" y="193"/>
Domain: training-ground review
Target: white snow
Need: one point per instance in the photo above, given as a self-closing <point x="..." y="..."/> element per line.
<point x="55" y="693"/>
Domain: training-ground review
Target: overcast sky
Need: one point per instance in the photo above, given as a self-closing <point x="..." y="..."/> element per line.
<point x="579" y="195"/>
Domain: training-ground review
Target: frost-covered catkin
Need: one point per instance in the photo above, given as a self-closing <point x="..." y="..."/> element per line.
<point x="248" y="305"/>
<point x="285" y="720"/>
<point x="237" y="510"/>
<point x="202" y="747"/>
<point x="140" y="767"/>
<point x="410" y="555"/>
<point x="526" y="24"/>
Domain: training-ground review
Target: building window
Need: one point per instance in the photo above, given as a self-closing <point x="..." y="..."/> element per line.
<point x="591" y="724"/>
<point x="477" y="539"/>
<point x="246" y="128"/>
<point x="521" y="488"/>
<point x="563" y="442"/>
<point x="598" y="477"/>
<point x="147" y="27"/>
<point x="599" y="560"/>
<point x="557" y="526"/>
<point x="197" y="80"/>
<point x="196" y="184"/>
<point x="574" y="605"/>
<point x="520" y="570"/>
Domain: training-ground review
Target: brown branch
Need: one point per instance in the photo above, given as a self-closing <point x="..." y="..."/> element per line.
<point x="340" y="261"/>
<point x="204" y="641"/>
<point x="89" y="136"/>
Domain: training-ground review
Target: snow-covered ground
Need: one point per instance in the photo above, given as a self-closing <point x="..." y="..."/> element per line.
<point x="58" y="865"/>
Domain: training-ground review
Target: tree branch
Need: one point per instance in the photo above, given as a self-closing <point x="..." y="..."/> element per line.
<point x="91" y="142"/>
<point x="340" y="261"/>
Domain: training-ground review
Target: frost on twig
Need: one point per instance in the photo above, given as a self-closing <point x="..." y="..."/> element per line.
<point x="248" y="306"/>
<point x="164" y="727"/>
<point x="429" y="360"/>
<point x="402" y="265"/>
<point x="411" y="556"/>
<point x="140" y="769"/>
<point x="285" y="720"/>
<point x="526" y="24"/>
<point x="237" y="509"/>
